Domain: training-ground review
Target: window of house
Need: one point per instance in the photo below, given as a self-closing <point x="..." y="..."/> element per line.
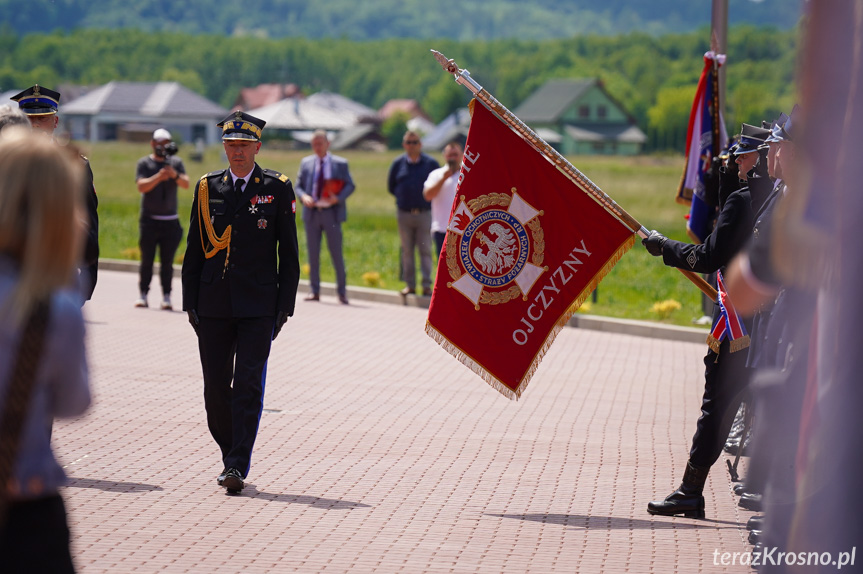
<point x="584" y="111"/>
<point x="602" y="111"/>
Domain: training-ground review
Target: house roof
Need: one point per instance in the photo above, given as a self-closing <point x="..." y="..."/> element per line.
<point x="452" y="127"/>
<point x="621" y="133"/>
<point x="550" y="101"/>
<point x="265" y="94"/>
<point x="351" y="136"/>
<point x="342" y="105"/>
<point x="301" y="114"/>
<point x="159" y="99"/>
<point x="411" y="107"/>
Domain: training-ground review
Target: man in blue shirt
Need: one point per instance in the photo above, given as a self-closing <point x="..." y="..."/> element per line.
<point x="405" y="181"/>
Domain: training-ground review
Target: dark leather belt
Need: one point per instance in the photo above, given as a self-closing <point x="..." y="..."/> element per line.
<point x="414" y="211"/>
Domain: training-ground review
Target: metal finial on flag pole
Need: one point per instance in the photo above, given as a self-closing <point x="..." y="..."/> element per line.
<point x="464" y="78"/>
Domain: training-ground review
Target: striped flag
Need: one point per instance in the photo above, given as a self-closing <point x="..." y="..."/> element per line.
<point x="700" y="151"/>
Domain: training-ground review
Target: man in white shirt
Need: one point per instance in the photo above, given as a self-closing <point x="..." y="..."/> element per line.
<point x="440" y="189"/>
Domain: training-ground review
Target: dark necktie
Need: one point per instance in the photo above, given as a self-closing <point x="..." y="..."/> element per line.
<point x="238" y="188"/>
<point x="319" y="185"/>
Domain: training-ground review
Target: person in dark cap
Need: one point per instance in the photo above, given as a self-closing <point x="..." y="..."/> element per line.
<point x="41" y="104"/>
<point x="240" y="276"/>
<point x="726" y="375"/>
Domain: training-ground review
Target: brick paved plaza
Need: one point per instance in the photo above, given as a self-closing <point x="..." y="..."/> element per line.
<point x="378" y="452"/>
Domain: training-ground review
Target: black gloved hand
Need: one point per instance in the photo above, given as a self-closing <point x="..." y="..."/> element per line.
<point x="654" y="242"/>
<point x="281" y="319"/>
<point x="193" y="319"/>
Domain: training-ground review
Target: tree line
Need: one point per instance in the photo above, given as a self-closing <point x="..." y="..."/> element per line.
<point x="654" y="78"/>
<point x="379" y="19"/>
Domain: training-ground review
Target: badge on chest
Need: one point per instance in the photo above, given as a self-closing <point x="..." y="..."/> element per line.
<point x="259" y="199"/>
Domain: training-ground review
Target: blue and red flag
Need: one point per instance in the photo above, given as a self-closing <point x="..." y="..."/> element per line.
<point x="704" y="140"/>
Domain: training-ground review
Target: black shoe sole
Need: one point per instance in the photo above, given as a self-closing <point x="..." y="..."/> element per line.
<point x="233" y="484"/>
<point x="684" y="513"/>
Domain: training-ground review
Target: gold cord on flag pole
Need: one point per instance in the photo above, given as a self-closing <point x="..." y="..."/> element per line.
<point x="464" y="78"/>
<point x="218" y="243"/>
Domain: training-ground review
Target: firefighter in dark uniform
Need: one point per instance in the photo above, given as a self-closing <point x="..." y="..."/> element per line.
<point x="726" y="374"/>
<point x="40" y="104"/>
<point x="240" y="276"/>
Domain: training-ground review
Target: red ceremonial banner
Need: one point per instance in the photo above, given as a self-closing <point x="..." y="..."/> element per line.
<point x="524" y="248"/>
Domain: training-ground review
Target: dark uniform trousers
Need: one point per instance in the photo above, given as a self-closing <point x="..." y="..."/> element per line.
<point x="726" y="379"/>
<point x="234" y="350"/>
<point x="237" y="297"/>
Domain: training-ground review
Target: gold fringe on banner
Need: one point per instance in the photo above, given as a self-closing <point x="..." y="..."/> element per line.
<point x="736" y="344"/>
<point x="740" y="344"/>
<point x="713" y="343"/>
<point x="495" y="383"/>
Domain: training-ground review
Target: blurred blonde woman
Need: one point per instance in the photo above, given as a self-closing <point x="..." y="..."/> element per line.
<point x="43" y="370"/>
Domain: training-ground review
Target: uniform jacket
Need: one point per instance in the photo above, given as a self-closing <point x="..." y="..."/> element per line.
<point x="90" y="264"/>
<point x="255" y="282"/>
<point x="306" y="183"/>
<point x="732" y="230"/>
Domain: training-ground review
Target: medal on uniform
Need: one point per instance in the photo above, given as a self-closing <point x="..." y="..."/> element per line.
<point x="253" y="208"/>
<point x="262" y="223"/>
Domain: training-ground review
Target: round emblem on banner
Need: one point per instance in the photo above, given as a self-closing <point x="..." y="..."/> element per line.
<point x="495" y="248"/>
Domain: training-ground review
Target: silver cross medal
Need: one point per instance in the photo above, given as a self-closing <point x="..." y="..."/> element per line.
<point x="254" y="207"/>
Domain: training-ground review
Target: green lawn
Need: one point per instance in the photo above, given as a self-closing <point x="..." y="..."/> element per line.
<point x="644" y="186"/>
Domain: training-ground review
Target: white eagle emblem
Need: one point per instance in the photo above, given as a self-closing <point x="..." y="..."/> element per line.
<point x="494" y="248"/>
<point x="500" y="255"/>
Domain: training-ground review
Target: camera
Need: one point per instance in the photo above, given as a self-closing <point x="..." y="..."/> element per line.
<point x="166" y="150"/>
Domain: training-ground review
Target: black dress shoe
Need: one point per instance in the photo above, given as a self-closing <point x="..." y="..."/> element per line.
<point x="313" y="297"/>
<point x="754" y="537"/>
<point x="221" y="478"/>
<point x="343" y="299"/>
<point x="678" y="502"/>
<point x="233" y="481"/>
<point x="755" y="523"/>
<point x="739" y="488"/>
<point x="750" y="501"/>
<point x="408" y="291"/>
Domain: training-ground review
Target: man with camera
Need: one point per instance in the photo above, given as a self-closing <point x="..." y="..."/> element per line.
<point x="157" y="178"/>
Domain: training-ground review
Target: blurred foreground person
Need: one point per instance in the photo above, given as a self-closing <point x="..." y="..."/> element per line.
<point x="813" y="500"/>
<point x="10" y="116"/>
<point x="43" y="370"/>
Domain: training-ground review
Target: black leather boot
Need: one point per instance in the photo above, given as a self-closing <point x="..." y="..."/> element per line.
<point x="687" y="499"/>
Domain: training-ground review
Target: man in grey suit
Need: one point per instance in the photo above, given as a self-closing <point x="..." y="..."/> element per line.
<point x="323" y="185"/>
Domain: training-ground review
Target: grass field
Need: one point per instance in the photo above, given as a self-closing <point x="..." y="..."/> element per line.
<point x="644" y="186"/>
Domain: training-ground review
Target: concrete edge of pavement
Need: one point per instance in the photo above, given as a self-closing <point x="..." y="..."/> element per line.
<point x="580" y="321"/>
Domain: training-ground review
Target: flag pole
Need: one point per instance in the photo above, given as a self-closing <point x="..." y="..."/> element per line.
<point x="464" y="78"/>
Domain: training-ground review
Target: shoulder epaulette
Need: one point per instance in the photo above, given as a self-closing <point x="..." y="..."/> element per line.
<point x="273" y="173"/>
<point x="212" y="174"/>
